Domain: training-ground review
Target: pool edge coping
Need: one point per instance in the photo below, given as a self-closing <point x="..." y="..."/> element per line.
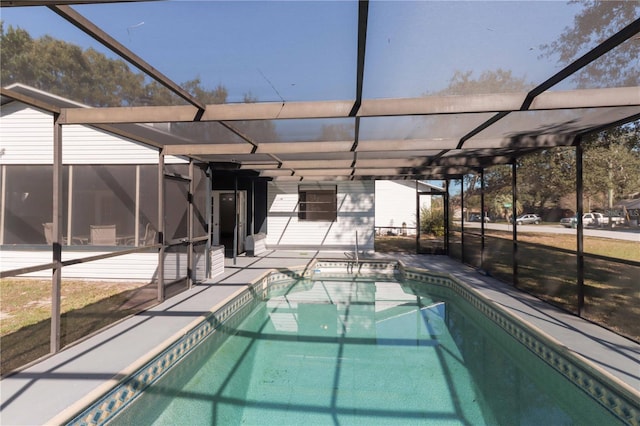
<point x="624" y="390"/>
<point x="72" y="411"/>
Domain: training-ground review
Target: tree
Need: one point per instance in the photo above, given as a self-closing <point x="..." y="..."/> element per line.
<point x="432" y="219"/>
<point x="612" y="164"/>
<point x="597" y="21"/>
<point x="545" y="176"/>
<point x="86" y="76"/>
<point x="337" y="132"/>
<point x="496" y="81"/>
<point x="215" y="96"/>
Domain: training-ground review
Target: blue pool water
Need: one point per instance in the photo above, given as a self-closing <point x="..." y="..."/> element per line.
<point x="362" y="352"/>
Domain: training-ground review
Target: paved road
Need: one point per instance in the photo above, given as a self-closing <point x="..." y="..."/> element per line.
<point x="628" y="234"/>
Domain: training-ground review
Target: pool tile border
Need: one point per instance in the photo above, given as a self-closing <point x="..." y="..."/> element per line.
<point x="606" y="391"/>
<point x="597" y="385"/>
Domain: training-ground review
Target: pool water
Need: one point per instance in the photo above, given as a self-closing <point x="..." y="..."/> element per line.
<point x="363" y="352"/>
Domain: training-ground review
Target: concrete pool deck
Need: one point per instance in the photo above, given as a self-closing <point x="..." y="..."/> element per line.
<point x="48" y="391"/>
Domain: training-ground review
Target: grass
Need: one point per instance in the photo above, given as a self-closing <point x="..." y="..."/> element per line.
<point x="87" y="306"/>
<point x="618" y="249"/>
<point x="611" y="290"/>
<point x="405" y="244"/>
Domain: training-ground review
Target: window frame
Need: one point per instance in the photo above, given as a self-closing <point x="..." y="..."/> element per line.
<point x="328" y="205"/>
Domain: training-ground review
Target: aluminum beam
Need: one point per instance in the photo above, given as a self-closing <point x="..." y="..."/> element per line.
<point x="428" y="105"/>
<point x="22" y="3"/>
<point x="208" y="149"/>
<point x="31" y="101"/>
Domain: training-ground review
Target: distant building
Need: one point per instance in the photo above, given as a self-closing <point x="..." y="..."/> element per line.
<point x="395" y="205"/>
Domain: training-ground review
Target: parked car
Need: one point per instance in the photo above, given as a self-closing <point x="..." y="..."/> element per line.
<point x="569" y="222"/>
<point x="476" y="218"/>
<point x="526" y="219"/>
<point x="592" y="219"/>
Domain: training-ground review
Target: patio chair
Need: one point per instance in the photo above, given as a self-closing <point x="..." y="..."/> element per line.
<point x="149" y="236"/>
<point x="148" y="239"/>
<point x="48" y="233"/>
<point x="102" y="235"/>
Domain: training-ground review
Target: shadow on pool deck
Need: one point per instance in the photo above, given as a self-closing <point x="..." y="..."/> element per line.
<point x="70" y="379"/>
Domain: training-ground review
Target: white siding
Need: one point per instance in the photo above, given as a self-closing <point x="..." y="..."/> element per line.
<point x="355" y="213"/>
<point x="134" y="266"/>
<point x="27" y="138"/>
<point x="26" y="135"/>
<point x="217" y="261"/>
<point x="396" y="204"/>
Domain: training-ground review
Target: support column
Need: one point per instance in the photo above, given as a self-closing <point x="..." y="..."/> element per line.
<point x="136" y="226"/>
<point x="161" y="226"/>
<point x="514" y="200"/>
<point x="482" y="217"/>
<point x="253" y="206"/>
<point x="235" y="219"/>
<point x="462" y="219"/>
<point x="417" y="219"/>
<point x="3" y="200"/>
<point x="70" y="206"/>
<point x="580" y="225"/>
<point x="190" y="198"/>
<point x="209" y="213"/>
<point x="56" y="276"/>
<point x="446" y="217"/>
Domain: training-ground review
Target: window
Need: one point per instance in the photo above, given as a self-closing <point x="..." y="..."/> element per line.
<point x="317" y="203"/>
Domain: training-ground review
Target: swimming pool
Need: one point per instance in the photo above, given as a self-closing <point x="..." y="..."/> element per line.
<point x="345" y="349"/>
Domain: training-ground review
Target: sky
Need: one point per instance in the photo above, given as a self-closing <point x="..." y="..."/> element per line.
<point x="301" y="50"/>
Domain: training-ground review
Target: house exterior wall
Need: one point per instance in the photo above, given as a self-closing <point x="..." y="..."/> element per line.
<point x="355" y="204"/>
<point x="135" y="267"/>
<point x="396" y="204"/>
<point x="27" y="138"/>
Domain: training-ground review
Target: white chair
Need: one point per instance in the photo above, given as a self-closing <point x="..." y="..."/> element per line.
<point x="48" y="233"/>
<point x="149" y="236"/>
<point x="148" y="239"/>
<point x="102" y="235"/>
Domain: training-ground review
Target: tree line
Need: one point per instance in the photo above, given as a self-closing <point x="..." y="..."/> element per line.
<point x="546" y="180"/>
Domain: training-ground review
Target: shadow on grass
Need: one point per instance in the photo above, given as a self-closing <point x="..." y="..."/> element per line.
<point x="32" y="342"/>
<point x="407" y="244"/>
<point x="611" y="292"/>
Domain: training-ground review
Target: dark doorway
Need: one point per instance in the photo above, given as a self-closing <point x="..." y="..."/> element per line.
<point x="227" y="222"/>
